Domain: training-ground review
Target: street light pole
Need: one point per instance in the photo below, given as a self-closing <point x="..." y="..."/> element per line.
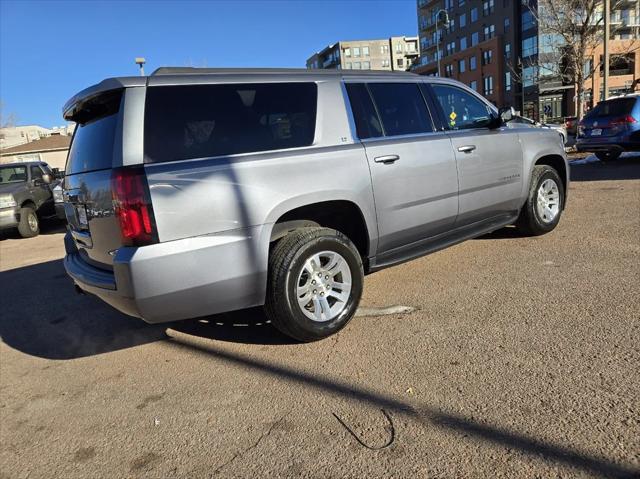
<point x="446" y="21"/>
<point x="140" y="62"/>
<point x="605" y="80"/>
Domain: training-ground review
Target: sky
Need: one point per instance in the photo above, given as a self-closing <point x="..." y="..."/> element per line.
<point x="49" y="50"/>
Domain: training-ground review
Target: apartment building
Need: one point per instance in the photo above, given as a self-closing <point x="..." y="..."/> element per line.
<point x="497" y="48"/>
<point x="392" y="54"/>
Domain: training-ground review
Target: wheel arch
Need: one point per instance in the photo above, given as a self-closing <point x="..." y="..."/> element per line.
<point x="558" y="163"/>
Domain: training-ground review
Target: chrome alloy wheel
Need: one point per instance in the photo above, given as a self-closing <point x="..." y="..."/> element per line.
<point x="548" y="202"/>
<point x="324" y="286"/>
<point x="32" y="219"/>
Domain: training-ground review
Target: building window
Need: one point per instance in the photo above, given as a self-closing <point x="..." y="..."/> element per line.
<point x="488" y="7"/>
<point x="448" y="5"/>
<point x="487" y="56"/>
<point x="475" y="39"/>
<point x="488" y="85"/>
<point x="356" y="65"/>
<point x="398" y="47"/>
<point x="365" y="51"/>
<point x="347" y="52"/>
<point x="473" y="63"/>
<point x="529" y="46"/>
<point x="451" y="27"/>
<point x="366" y="65"/>
<point x="507" y="25"/>
<point x="462" y="21"/>
<point x="385" y="63"/>
<point x="384" y="49"/>
<point x="528" y="20"/>
<point x="474" y="85"/>
<point x="507" y="50"/>
<point x="489" y="32"/>
<point x="347" y="66"/>
<point x="451" y="48"/>
<point x="463" y="43"/>
<point x="529" y="76"/>
<point x="448" y="70"/>
<point x="474" y="14"/>
<point x="356" y="51"/>
<point x="461" y="3"/>
<point x="461" y="66"/>
<point x="507" y="81"/>
<point x="400" y="62"/>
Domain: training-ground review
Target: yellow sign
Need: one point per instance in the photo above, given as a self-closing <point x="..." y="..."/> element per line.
<point x="453" y="116"/>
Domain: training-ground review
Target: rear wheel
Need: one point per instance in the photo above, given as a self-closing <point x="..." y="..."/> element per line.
<point x="541" y="213"/>
<point x="29" y="225"/>
<point x="608" y="155"/>
<point x="315" y="283"/>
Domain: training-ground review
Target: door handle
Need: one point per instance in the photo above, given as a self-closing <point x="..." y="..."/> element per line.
<point x="466" y="148"/>
<point x="386" y="159"/>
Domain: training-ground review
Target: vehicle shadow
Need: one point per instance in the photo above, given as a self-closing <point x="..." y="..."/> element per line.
<point x="47" y="227"/>
<point x="43" y="316"/>
<point x="627" y="167"/>
<point x="426" y="415"/>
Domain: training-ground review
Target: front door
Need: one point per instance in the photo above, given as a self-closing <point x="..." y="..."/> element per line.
<point x="490" y="164"/>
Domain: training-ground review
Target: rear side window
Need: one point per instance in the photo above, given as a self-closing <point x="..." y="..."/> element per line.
<point x="619" y="107"/>
<point x="364" y="113"/>
<point x="401" y="107"/>
<point x="199" y="121"/>
<point x="93" y="140"/>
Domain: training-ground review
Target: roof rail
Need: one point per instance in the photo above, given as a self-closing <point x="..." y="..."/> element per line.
<point x="303" y="71"/>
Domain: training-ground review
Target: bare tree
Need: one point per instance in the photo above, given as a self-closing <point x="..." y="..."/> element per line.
<point x="9" y="120"/>
<point x="576" y="29"/>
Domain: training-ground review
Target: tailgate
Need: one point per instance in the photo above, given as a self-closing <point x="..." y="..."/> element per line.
<point x="87" y="184"/>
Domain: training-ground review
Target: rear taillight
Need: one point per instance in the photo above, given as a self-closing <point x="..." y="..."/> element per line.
<point x="132" y="206"/>
<point x="625" y="120"/>
<point x="580" y="129"/>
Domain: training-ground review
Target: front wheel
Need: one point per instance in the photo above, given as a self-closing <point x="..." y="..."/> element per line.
<point x="608" y="155"/>
<point x="545" y="202"/>
<point x="315" y="283"/>
<point x="29" y="225"/>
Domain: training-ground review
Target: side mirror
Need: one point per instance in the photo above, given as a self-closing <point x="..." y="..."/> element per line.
<point x="507" y="114"/>
<point x="46" y="179"/>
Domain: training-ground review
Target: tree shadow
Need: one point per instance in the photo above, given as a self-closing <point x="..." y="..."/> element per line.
<point x="425" y="414"/>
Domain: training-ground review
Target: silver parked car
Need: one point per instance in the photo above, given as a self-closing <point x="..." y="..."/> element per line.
<point x="198" y="191"/>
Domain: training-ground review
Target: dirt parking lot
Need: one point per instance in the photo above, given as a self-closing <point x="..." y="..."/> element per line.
<point x="522" y="359"/>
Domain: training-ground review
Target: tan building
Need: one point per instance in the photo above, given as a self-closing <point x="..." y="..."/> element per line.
<point x="19" y="135"/>
<point x="392" y="54"/>
<point x="51" y="149"/>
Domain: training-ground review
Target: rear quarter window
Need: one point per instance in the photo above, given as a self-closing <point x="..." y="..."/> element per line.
<point x="199" y="121"/>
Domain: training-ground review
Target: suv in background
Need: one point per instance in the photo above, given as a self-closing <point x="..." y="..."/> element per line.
<point x="26" y="196"/>
<point x="611" y="127"/>
<point x="198" y="191"/>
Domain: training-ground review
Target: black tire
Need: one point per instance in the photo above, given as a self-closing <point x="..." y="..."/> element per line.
<point x="27" y="228"/>
<point x="286" y="261"/>
<point x="529" y="222"/>
<point x="609" y="155"/>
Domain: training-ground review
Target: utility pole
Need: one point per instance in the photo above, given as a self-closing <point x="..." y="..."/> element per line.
<point x="140" y="62"/>
<point x="446" y="22"/>
<point x="607" y="19"/>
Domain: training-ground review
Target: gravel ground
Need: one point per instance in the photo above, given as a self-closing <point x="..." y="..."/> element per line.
<point x="520" y="360"/>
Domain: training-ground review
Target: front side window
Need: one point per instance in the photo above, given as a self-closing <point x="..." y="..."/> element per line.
<point x="462" y="110"/>
<point x="199" y="121"/>
<point x="36" y="173"/>
<point x="364" y="113"/>
<point x="401" y="107"/>
<point x="13" y="174"/>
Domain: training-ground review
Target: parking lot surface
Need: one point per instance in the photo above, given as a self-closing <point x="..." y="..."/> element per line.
<point x="521" y="359"/>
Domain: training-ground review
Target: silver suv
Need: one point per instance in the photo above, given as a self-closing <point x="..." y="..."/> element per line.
<point x="198" y="191"/>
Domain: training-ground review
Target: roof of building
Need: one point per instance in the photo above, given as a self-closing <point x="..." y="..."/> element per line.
<point x="48" y="143"/>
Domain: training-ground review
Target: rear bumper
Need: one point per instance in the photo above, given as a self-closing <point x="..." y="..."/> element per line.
<point x="614" y="143"/>
<point x="179" y="279"/>
<point x="9" y="217"/>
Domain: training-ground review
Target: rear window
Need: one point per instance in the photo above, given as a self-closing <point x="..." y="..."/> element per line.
<point x="199" y="121"/>
<point x="402" y="108"/>
<point x="619" y="107"/>
<point x="95" y="135"/>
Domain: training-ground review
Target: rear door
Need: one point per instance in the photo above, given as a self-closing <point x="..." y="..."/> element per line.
<point x="412" y="166"/>
<point x="490" y="163"/>
<point x="96" y="148"/>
